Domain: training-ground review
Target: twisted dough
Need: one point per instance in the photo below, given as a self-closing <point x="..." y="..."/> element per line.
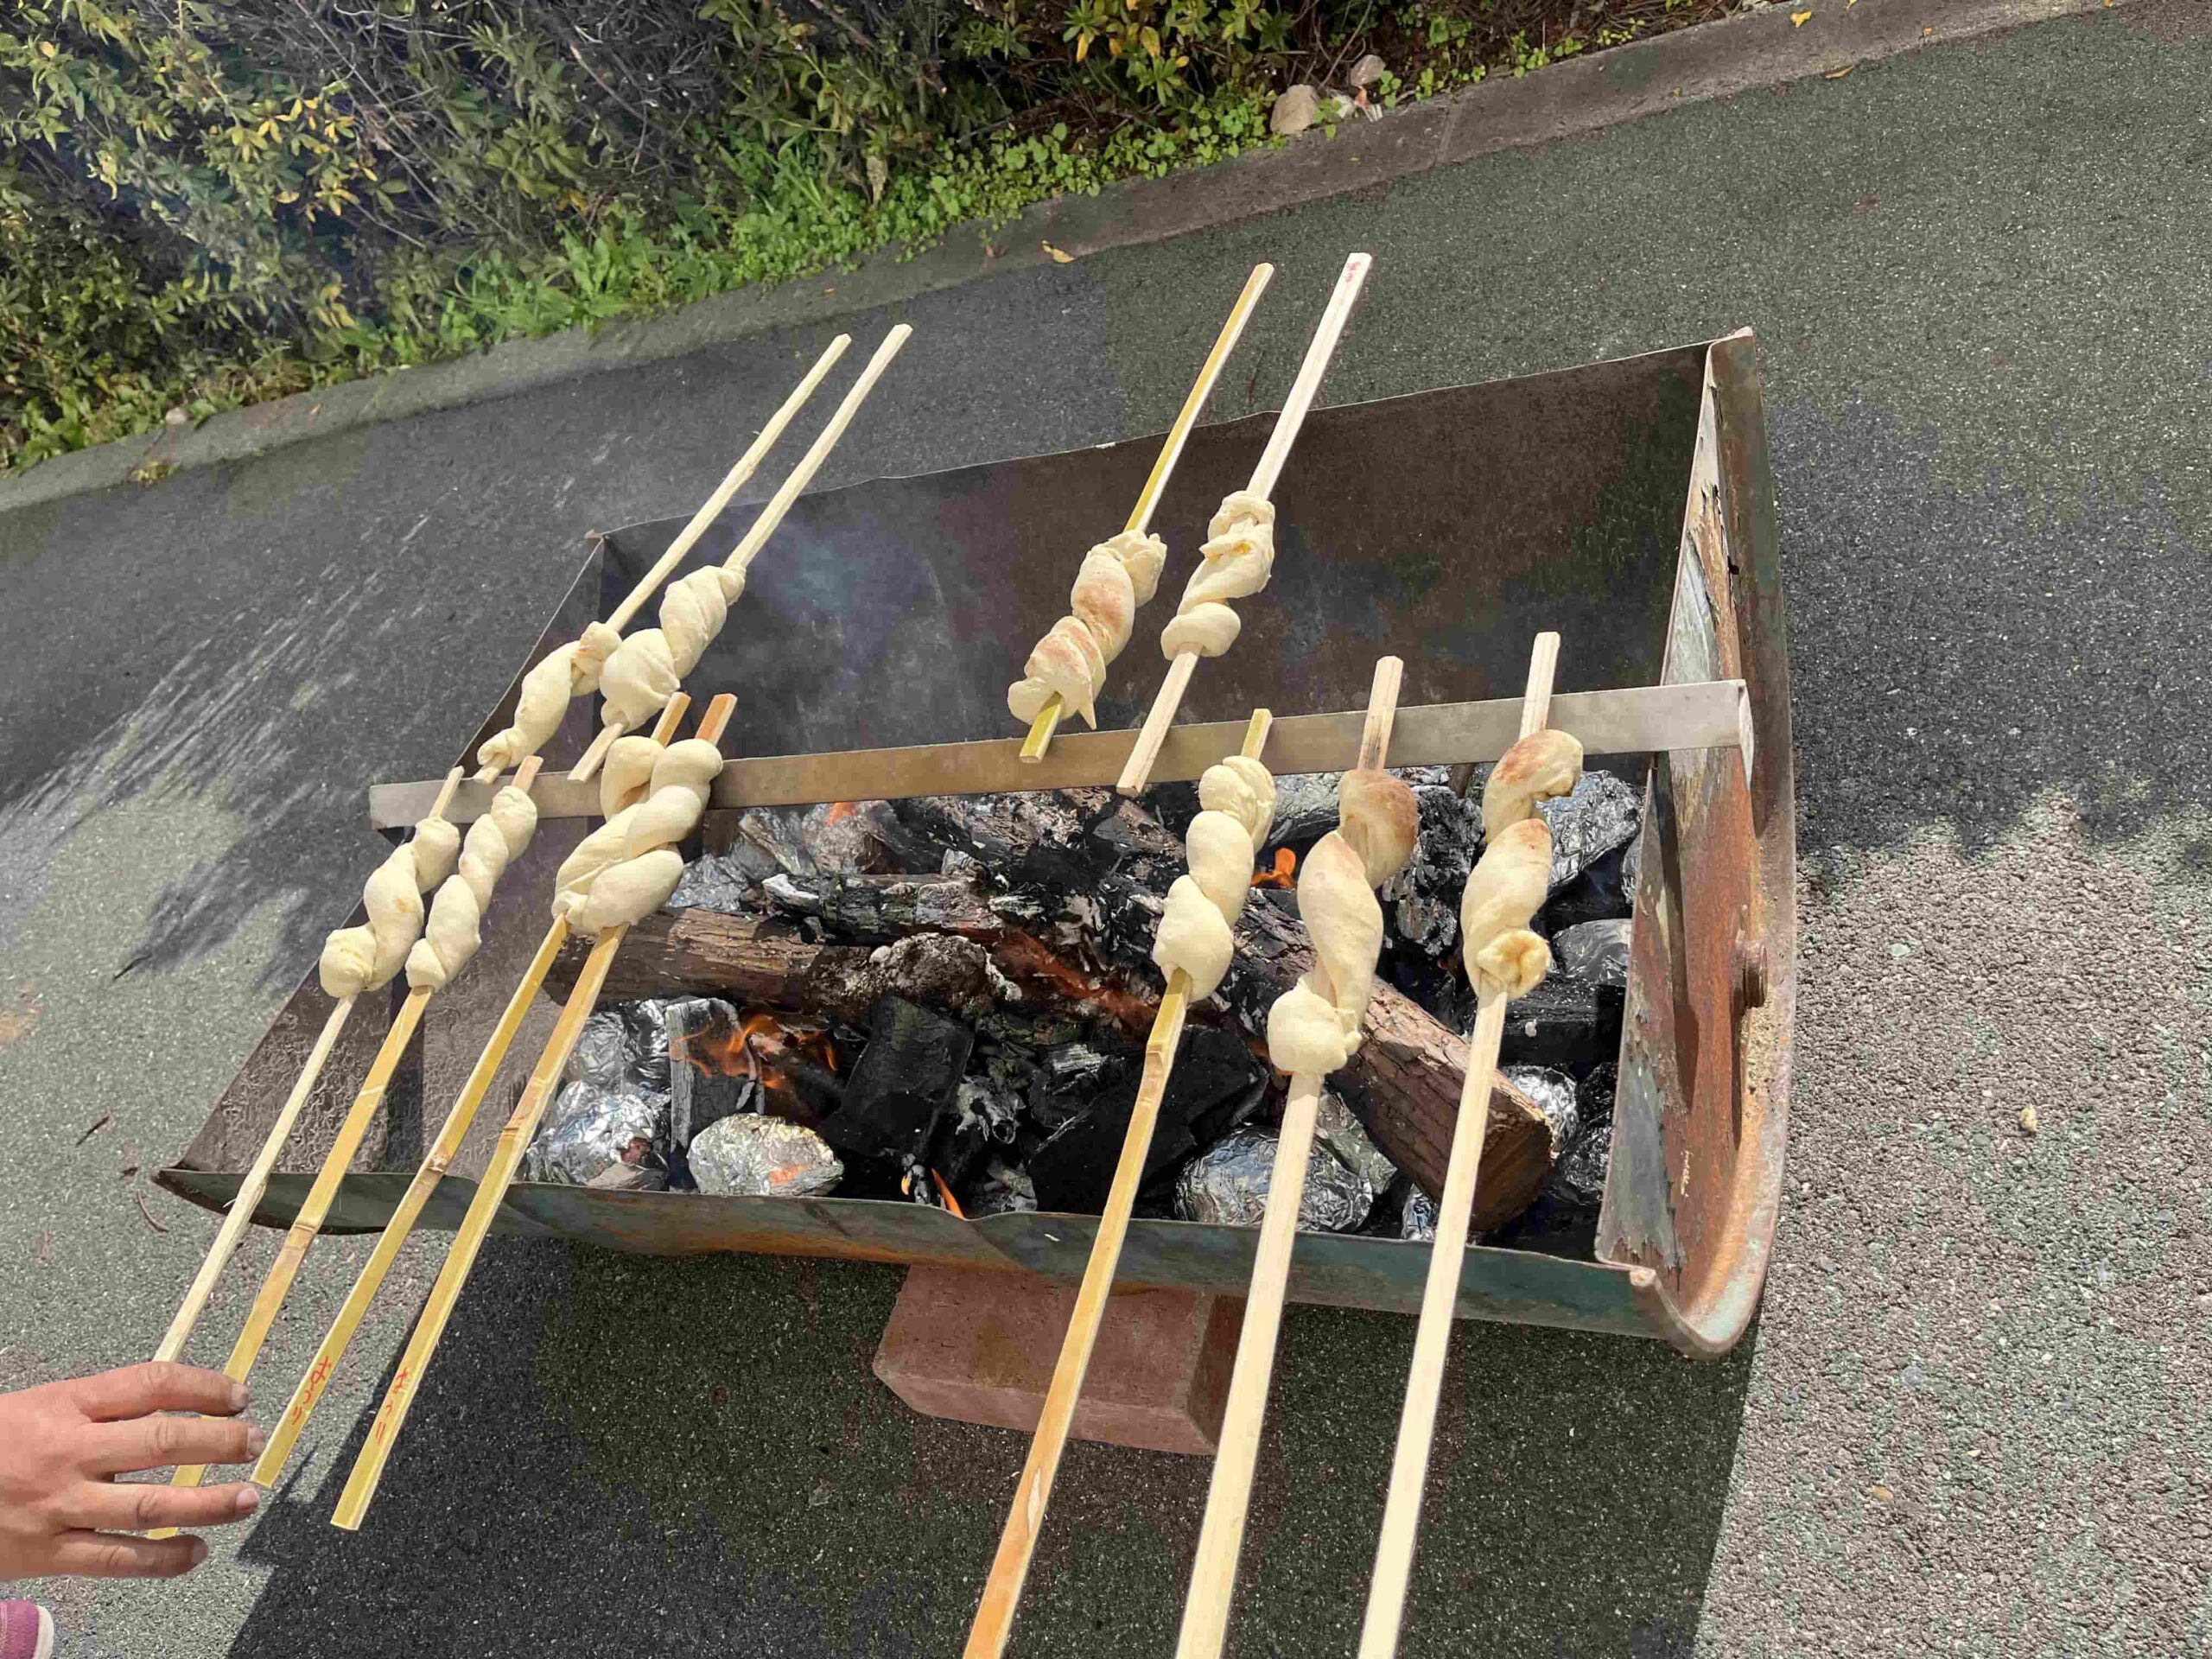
<point x="625" y="870"/>
<point x="571" y="671"/>
<point x="646" y="668"/>
<point x="1117" y="576"/>
<point x="626" y="775"/>
<point x="1508" y="884"/>
<point x="1238" y="556"/>
<point x="452" y="934"/>
<point x="1543" y="766"/>
<point x="1313" y="1027"/>
<point x="1238" y="796"/>
<point x="357" y="959"/>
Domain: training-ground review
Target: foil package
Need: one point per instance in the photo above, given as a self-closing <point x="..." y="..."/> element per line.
<point x="752" y="1156"/>
<point x="590" y="1131"/>
<point x="1554" y="1094"/>
<point x="1227" y="1186"/>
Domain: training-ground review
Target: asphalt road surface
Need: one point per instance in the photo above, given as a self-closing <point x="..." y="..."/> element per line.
<point x="1972" y="1418"/>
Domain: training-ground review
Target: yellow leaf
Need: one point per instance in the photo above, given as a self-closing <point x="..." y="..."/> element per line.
<point x="1799" y="19"/>
<point x="1060" y="255"/>
<point x="1837" y="75"/>
<point x="1082" y="45"/>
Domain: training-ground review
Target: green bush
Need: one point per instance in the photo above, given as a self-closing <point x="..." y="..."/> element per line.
<point x="207" y="204"/>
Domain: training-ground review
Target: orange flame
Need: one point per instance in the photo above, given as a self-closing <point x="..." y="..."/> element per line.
<point x="1285" y="873"/>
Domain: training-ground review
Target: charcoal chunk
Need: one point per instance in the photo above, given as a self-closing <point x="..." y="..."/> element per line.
<point x="1423" y="899"/>
<point x="907" y="1074"/>
<point x="1604" y="891"/>
<point x="702" y="1034"/>
<point x="1217" y="1081"/>
<point x="1566" y="1023"/>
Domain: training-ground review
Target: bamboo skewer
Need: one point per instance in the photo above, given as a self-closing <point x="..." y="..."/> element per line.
<point x="733" y="481"/>
<point x="771" y="516"/>
<point x="1221" y="1538"/>
<point x="307" y="1225"/>
<point x="308" y="1393"/>
<point x="483" y="1210"/>
<point x="1048" y="718"/>
<point x="251" y="1191"/>
<point x="1394" y="1558"/>
<point x="1138" y="772"/>
<point x="1017" y="1543"/>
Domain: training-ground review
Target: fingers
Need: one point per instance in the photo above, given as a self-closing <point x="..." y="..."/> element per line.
<point x="105" y="1555"/>
<point x="161" y="1385"/>
<point x="143" y="1506"/>
<point x="157" y="1442"/>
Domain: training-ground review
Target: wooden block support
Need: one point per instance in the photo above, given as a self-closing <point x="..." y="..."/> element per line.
<point x="979" y="1347"/>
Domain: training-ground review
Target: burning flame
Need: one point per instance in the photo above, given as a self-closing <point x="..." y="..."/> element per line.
<point x="839" y="811"/>
<point x="760" y="1037"/>
<point x="1285" y="873"/>
<point x="1031" y="957"/>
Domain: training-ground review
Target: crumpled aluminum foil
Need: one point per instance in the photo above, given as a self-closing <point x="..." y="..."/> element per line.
<point x="1596" y="953"/>
<point x="1227" y="1186"/>
<point x="1601" y="813"/>
<point x="1337" y="1128"/>
<point x="601" y="1056"/>
<point x="1554" y="1093"/>
<point x="1418" y="1220"/>
<point x="751" y="1156"/>
<point x="589" y="1130"/>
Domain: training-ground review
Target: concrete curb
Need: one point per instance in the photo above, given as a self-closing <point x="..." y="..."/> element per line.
<point x="1739" y="54"/>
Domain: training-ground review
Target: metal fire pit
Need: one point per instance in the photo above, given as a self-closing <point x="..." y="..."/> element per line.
<point x="1628" y="505"/>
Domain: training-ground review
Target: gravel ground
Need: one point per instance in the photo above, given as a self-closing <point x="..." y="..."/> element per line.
<point x="1971" y="1419"/>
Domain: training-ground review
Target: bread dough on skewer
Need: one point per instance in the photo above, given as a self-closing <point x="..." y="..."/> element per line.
<point x="625" y="869"/>
<point x="571" y="671"/>
<point x="1542" y="766"/>
<point x="363" y="958"/>
<point x="453" y="931"/>
<point x="1239" y="557"/>
<point x="648" y="667"/>
<point x="1314" y="1027"/>
<point x="1238" y="799"/>
<point x="1510" y="881"/>
<point x="1070" y="662"/>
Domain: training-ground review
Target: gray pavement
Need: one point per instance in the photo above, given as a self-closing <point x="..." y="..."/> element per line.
<point x="1971" y="1419"/>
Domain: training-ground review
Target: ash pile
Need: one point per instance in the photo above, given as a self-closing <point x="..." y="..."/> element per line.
<point x="943" y="1000"/>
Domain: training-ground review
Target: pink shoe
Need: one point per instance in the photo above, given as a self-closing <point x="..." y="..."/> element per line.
<point x="26" y="1630"/>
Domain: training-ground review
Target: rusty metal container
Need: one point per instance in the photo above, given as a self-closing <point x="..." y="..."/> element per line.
<point x="1629" y="504"/>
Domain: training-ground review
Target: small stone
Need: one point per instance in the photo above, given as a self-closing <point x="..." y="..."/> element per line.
<point x="1900" y="951"/>
<point x="1296" y="110"/>
<point x="2028" y="1120"/>
<point x="1369" y="70"/>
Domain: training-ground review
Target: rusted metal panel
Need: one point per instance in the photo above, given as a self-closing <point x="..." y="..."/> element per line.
<point x="1699" y="1119"/>
<point x="1448" y="527"/>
